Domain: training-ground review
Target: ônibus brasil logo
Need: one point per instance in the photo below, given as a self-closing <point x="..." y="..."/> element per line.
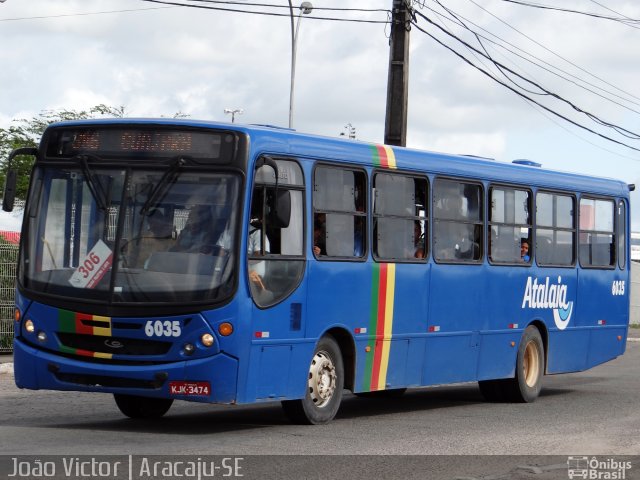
<point x="547" y="295"/>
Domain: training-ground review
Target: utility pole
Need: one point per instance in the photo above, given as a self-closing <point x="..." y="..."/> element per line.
<point x="395" y="127"/>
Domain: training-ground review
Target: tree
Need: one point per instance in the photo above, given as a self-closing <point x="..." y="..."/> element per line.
<point x="27" y="133"/>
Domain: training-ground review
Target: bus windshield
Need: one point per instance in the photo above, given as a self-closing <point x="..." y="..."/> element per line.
<point x="124" y="235"/>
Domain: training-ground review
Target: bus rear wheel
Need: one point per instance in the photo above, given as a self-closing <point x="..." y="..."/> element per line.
<point x="134" y="406"/>
<point x="527" y="383"/>
<point x="526" y="386"/>
<point x="325" y="382"/>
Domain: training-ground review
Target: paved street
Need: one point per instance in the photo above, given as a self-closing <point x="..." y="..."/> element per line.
<point x="594" y="412"/>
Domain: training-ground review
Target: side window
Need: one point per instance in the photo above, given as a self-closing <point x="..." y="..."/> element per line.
<point x="510" y="226"/>
<point x="555" y="229"/>
<point x="399" y="217"/>
<point x="339" y="213"/>
<point x="275" y="241"/>
<point x="457" y="221"/>
<point x="621" y="226"/>
<point x="596" y="233"/>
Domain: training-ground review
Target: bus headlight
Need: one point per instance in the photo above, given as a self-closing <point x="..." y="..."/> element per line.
<point x="189" y="348"/>
<point x="29" y="326"/>
<point x="207" y="339"/>
<point x="42" y="336"/>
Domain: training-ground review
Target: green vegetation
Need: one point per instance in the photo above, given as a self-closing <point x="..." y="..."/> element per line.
<point x="27" y="133"/>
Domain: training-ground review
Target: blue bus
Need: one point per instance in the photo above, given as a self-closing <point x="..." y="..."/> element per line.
<point x="180" y="259"/>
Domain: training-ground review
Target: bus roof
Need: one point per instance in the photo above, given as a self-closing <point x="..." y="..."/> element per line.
<point x="267" y="139"/>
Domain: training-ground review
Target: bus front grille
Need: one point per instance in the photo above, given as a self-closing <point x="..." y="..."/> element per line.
<point x="113" y="345"/>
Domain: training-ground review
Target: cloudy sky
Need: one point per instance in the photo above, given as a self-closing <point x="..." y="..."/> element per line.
<point x="157" y="59"/>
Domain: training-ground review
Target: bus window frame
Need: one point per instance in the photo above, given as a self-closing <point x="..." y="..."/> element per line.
<point x="613" y="200"/>
<point x="277" y="257"/>
<point x="426" y="219"/>
<point x="530" y="226"/>
<point x="574" y="230"/>
<point x="621" y="259"/>
<point x="367" y="206"/>
<point x="481" y="222"/>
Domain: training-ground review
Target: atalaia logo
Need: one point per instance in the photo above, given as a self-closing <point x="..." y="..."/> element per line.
<point x="547" y="295"/>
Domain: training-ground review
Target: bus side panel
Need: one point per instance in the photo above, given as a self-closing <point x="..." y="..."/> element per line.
<point x="409" y="324"/>
<point x="456" y="312"/>
<point x="567" y="350"/>
<point x="503" y="327"/>
<point x="497" y="355"/>
<point x="603" y="307"/>
<point x="606" y="344"/>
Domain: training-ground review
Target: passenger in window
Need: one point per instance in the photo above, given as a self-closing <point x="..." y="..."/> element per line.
<point x="254" y="248"/>
<point x="195" y="236"/>
<point x="524" y="250"/>
<point x="158" y="238"/>
<point x="319" y="235"/>
<point x="418" y="241"/>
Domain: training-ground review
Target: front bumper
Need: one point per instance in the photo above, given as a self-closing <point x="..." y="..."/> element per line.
<point x="36" y="369"/>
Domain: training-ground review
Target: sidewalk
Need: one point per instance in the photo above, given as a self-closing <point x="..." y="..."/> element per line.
<point x="6" y="364"/>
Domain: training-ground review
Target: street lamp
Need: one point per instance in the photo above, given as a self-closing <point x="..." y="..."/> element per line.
<point x="233" y="112"/>
<point x="305" y="9"/>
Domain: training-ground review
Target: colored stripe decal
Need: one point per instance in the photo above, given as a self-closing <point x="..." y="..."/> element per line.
<point x="83" y="324"/>
<point x="380" y="326"/>
<point x="383" y="156"/>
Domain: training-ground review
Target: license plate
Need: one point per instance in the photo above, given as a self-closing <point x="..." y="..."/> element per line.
<point x="189" y="388"/>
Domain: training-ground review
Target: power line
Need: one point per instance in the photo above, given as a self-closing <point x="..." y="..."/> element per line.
<point x="552" y="52"/>
<point x="624" y="20"/>
<point x="457" y="19"/>
<point x="488" y="74"/>
<point x="40" y="17"/>
<point x="273" y="5"/>
<point x="265" y="13"/>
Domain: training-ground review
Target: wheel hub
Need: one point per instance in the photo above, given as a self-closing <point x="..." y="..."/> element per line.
<point x="531" y="364"/>
<point x="322" y="379"/>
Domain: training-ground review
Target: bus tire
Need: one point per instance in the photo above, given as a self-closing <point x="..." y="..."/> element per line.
<point x="325" y="382"/>
<point x="134" y="406"/>
<point x="527" y="383"/>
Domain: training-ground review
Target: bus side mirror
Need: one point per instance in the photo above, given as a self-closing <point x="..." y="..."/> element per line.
<point x="280" y="212"/>
<point x="9" y="193"/>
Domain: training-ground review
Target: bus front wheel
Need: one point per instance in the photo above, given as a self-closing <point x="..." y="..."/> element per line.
<point x="325" y="382"/>
<point x="134" y="406"/>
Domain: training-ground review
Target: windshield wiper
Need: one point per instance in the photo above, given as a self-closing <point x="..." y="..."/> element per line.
<point x="95" y="186"/>
<point x="163" y="185"/>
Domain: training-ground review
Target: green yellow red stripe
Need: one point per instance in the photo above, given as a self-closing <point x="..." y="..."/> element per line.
<point x="380" y="326"/>
<point x="84" y="324"/>
<point x="383" y="156"/>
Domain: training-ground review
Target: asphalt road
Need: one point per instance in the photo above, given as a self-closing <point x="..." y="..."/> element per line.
<point x="589" y="413"/>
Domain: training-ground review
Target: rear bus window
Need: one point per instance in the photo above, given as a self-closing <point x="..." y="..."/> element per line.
<point x="555" y="229"/>
<point x="596" y="233"/>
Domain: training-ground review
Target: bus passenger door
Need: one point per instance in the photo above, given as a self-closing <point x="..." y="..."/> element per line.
<point x="275" y="269"/>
